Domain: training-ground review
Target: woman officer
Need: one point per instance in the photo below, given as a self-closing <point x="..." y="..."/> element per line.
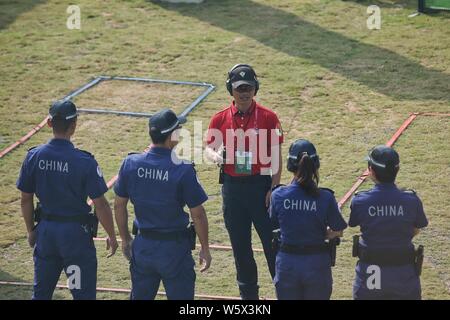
<point x="307" y="215"/>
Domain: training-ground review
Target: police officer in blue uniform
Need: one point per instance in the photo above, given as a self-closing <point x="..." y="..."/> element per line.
<point x="159" y="185"/>
<point x="62" y="177"/>
<point x="389" y="218"/>
<point x="307" y="216"/>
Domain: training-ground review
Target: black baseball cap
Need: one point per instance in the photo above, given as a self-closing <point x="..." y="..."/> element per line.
<point x="383" y="157"/>
<point x="165" y="121"/>
<point x="63" y="109"/>
<point x="243" y="75"/>
<point x="301" y="146"/>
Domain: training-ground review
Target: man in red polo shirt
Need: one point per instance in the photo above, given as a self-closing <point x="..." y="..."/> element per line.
<point x="245" y="138"/>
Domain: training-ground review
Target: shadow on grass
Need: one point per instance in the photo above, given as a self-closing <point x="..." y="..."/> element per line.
<point x="14" y="292"/>
<point x="11" y="9"/>
<point x="380" y="69"/>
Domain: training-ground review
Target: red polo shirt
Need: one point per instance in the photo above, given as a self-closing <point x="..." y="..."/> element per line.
<point x="261" y="130"/>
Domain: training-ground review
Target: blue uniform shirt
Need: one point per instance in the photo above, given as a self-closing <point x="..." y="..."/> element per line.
<point x="304" y="219"/>
<point x="387" y="216"/>
<point x="62" y="177"/>
<point x="159" y="189"/>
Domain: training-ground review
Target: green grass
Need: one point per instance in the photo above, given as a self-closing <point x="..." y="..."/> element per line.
<point x="329" y="79"/>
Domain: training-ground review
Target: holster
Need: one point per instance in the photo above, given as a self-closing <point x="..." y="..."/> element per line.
<point x="355" y="248"/>
<point x="93" y="224"/>
<point x="134" y="229"/>
<point x="221" y="172"/>
<point x="37" y="213"/>
<point x="276" y="240"/>
<point x="419" y="260"/>
<point x="192" y="235"/>
<point x="333" y="243"/>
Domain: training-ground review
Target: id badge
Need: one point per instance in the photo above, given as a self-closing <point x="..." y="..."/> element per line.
<point x="243" y="163"/>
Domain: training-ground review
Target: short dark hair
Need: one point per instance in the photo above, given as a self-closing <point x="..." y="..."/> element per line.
<point x="60" y="125"/>
<point x="157" y="137"/>
<point x="385" y="175"/>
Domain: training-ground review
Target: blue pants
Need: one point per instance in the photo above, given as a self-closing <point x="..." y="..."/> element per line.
<point x="244" y="205"/>
<point x="396" y="283"/>
<point x="303" y="277"/>
<point x="58" y="247"/>
<point x="170" y="261"/>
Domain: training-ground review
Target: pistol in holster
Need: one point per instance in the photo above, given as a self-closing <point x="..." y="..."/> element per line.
<point x="222" y="166"/>
<point x="192" y="235"/>
<point x="37" y="213"/>
<point x="134" y="229"/>
<point x="333" y="243"/>
<point x="276" y="240"/>
<point x="355" y="247"/>
<point x="93" y="224"/>
<point x="419" y="260"/>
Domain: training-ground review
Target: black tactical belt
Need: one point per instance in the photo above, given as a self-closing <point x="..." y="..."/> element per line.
<point x="304" y="250"/>
<point x="83" y="219"/>
<point x="157" y="235"/>
<point x="253" y="179"/>
<point x="387" y="257"/>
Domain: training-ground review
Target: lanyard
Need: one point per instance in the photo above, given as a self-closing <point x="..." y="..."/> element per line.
<point x="255" y="121"/>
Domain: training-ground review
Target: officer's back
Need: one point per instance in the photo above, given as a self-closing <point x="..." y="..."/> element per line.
<point x="389" y="218"/>
<point x="62" y="177"/>
<point x="159" y="185"/>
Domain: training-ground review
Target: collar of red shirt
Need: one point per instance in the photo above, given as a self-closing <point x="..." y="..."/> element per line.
<point x="235" y="110"/>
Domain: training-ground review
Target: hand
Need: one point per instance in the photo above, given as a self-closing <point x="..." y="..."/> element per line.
<point x="111" y="244"/>
<point x="126" y="249"/>
<point x="333" y="234"/>
<point x="268" y="195"/>
<point x="31" y="238"/>
<point x="205" y="259"/>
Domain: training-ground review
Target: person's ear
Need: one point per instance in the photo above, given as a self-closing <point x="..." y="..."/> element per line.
<point x="49" y="123"/>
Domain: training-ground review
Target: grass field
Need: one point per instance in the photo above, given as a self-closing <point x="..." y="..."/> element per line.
<point x="328" y="77"/>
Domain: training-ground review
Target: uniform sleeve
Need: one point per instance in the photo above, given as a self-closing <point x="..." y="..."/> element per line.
<point x="273" y="214"/>
<point x="26" y="182"/>
<point x="354" y="220"/>
<point x="275" y="125"/>
<point x="120" y="187"/>
<point x="192" y="191"/>
<point x="95" y="186"/>
<point x="421" y="219"/>
<point x="334" y="216"/>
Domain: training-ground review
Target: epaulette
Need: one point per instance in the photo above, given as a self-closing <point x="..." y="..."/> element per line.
<point x="193" y="166"/>
<point x="87" y="152"/>
<point x="131" y="153"/>
<point x="32" y="148"/>
<point x="327" y="189"/>
<point x="359" y="192"/>
<point x="277" y="186"/>
<point x="410" y="191"/>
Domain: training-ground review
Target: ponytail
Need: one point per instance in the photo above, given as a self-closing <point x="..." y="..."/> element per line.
<point x="307" y="176"/>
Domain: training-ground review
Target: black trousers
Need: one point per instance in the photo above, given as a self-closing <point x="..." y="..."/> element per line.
<point x="244" y="205"/>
